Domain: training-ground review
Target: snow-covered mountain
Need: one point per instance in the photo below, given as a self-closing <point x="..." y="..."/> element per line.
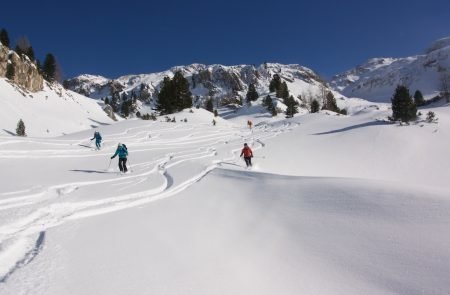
<point x="376" y="79"/>
<point x="217" y="81"/>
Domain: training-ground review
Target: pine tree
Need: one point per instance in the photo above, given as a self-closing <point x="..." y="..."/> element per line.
<point x="267" y="102"/>
<point x="4" y="38"/>
<point x="182" y="93"/>
<point x="292" y="106"/>
<point x="174" y="94"/>
<point x="10" y="71"/>
<point x="274" y="112"/>
<point x="39" y="66"/>
<point x="166" y="97"/>
<point x="209" y="105"/>
<point x="23" y="46"/>
<point x="49" y="68"/>
<point x="20" y="130"/>
<point x="252" y="95"/>
<point x="275" y="83"/>
<point x="315" y="106"/>
<point x="403" y="107"/>
<point x="418" y="98"/>
<point x="106" y="100"/>
<point x="30" y="53"/>
<point x="283" y="91"/>
<point x="330" y="103"/>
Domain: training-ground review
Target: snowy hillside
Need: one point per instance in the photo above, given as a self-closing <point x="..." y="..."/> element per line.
<point x="376" y="79"/>
<point x="50" y="112"/>
<point x="217" y="81"/>
<point x="332" y="205"/>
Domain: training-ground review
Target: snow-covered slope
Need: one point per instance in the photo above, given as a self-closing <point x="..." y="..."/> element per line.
<point x="376" y="79"/>
<point x="333" y="205"/>
<point x="51" y="112"/>
<point x="217" y="81"/>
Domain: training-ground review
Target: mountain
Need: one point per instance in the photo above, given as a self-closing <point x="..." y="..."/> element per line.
<point x="223" y="83"/>
<point x="377" y="79"/>
<point x="53" y="111"/>
<point x="47" y="109"/>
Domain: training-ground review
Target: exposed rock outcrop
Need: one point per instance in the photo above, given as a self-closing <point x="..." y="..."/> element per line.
<point x="26" y="73"/>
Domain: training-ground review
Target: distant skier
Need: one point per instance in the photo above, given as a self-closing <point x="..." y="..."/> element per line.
<point x="248" y="155"/>
<point x="122" y="151"/>
<point x="250" y="124"/>
<point x="214" y="122"/>
<point x="98" y="139"/>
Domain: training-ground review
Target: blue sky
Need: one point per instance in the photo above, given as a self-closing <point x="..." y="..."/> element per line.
<point x="113" y="38"/>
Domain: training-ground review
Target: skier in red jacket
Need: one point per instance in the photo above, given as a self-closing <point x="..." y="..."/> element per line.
<point x="248" y="155"/>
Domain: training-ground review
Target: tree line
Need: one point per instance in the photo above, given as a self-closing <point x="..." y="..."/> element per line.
<point x="50" y="69"/>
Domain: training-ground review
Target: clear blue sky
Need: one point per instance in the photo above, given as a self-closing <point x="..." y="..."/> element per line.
<point x="113" y="38"/>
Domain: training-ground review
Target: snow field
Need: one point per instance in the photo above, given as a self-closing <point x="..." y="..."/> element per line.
<point x="178" y="224"/>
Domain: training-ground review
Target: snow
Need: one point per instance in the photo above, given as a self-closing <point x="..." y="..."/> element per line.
<point x="333" y="205"/>
<point x="50" y="112"/>
<point x="376" y="79"/>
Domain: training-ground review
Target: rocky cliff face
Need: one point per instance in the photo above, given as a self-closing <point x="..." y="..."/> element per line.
<point x="217" y="81"/>
<point x="26" y="72"/>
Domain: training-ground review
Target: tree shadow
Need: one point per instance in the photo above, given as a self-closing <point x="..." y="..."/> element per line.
<point x="367" y="124"/>
<point x="100" y="123"/>
<point x="9" y="132"/>
<point x="84" y="145"/>
<point x="89" y="171"/>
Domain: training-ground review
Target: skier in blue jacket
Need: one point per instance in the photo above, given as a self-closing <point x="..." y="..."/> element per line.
<point x="122" y="152"/>
<point x="98" y="139"/>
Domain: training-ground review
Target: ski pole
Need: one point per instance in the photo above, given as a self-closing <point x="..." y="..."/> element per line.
<point x="110" y="160"/>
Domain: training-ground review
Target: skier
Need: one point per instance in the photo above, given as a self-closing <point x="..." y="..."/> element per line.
<point x="98" y="139"/>
<point x="122" y="151"/>
<point x="248" y="155"/>
<point x="249" y="123"/>
<point x="214" y="122"/>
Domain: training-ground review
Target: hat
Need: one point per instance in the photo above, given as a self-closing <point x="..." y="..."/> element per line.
<point x="245" y="143"/>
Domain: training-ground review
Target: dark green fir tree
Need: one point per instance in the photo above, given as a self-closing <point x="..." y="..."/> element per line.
<point x="252" y="95"/>
<point x="4" y="38"/>
<point x="403" y="107"/>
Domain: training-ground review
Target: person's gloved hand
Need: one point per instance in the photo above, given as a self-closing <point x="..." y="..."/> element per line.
<point x="112" y="158"/>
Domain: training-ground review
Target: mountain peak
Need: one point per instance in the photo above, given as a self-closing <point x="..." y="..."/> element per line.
<point x="439" y="44"/>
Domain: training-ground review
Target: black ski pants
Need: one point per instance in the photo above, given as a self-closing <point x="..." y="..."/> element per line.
<point x="123" y="164"/>
<point x="248" y="161"/>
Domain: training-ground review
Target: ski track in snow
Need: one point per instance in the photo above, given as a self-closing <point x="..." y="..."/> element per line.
<point x="41" y="207"/>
